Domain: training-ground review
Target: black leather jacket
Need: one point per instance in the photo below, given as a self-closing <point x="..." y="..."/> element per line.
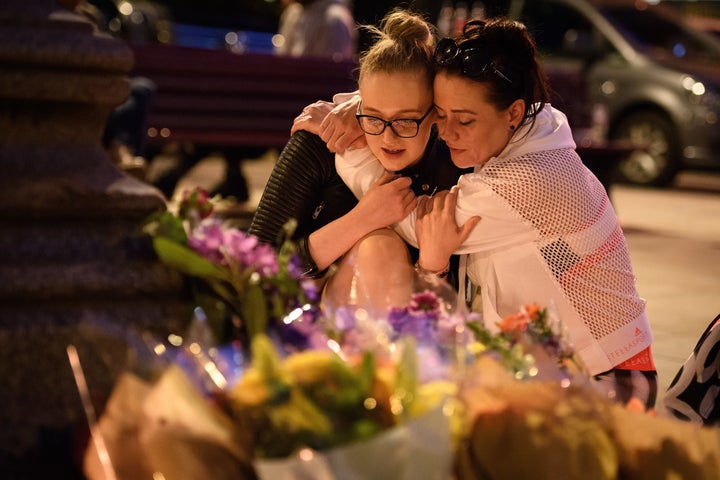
<point x="304" y="185"/>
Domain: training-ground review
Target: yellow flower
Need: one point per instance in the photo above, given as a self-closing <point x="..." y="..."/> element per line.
<point x="313" y="366"/>
<point x="251" y="390"/>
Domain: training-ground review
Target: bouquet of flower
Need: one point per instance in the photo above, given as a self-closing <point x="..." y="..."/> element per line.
<point x="410" y="385"/>
<point x="257" y="285"/>
<point x="400" y="395"/>
<point x="370" y="386"/>
<point x="531" y="343"/>
<point x="542" y="329"/>
<point x="348" y="389"/>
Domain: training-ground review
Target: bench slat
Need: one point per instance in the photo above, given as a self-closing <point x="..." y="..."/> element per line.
<point x="221" y="98"/>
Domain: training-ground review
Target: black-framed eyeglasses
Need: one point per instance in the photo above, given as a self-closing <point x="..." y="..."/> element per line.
<point x="473" y="61"/>
<point x="401" y="127"/>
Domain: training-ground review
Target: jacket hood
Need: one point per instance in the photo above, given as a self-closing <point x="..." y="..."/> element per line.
<point x="550" y="131"/>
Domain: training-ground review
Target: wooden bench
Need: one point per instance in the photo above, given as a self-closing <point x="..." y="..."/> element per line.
<point x="216" y="98"/>
<point x="225" y="99"/>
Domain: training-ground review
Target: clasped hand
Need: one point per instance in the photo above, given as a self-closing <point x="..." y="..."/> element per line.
<point x="437" y="231"/>
<point x="389" y="200"/>
<point x="335" y="124"/>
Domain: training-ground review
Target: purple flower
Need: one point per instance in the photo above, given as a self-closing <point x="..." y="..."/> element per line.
<point x="344" y="318"/>
<point x="248" y="252"/>
<point x="294" y="267"/>
<point x="424" y="319"/>
<point x="208" y="239"/>
<point x="405" y="321"/>
<point x="310" y="289"/>
<point x="263" y="259"/>
<point x="239" y="246"/>
<point x="447" y="329"/>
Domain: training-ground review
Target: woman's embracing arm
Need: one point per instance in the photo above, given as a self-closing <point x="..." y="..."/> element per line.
<point x="438" y="232"/>
<point x="500" y="225"/>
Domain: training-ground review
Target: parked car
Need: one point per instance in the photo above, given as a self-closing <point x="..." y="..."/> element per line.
<point x="625" y="72"/>
<point x="657" y="78"/>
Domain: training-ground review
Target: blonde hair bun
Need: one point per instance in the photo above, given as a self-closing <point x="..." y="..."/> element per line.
<point x="406" y="42"/>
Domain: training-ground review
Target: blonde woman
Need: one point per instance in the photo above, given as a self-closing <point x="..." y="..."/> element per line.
<point x="397" y="118"/>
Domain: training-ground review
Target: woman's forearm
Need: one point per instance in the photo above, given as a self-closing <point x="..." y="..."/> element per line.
<point x="333" y="240"/>
<point x="388" y="201"/>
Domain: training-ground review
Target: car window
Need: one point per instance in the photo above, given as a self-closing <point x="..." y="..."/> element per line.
<point x="652" y="32"/>
<point x="557" y="29"/>
<point x="565" y="40"/>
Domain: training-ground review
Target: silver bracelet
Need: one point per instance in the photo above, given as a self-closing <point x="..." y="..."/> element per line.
<point x="442" y="273"/>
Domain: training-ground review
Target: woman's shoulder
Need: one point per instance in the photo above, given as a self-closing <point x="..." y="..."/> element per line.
<point x="544" y="166"/>
<point x="303" y="144"/>
<point x="306" y="154"/>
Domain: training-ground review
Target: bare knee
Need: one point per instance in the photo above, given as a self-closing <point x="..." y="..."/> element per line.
<point x="382" y="250"/>
<point x="376" y="272"/>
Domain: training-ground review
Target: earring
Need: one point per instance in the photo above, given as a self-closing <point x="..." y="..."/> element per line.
<point x="512" y="127"/>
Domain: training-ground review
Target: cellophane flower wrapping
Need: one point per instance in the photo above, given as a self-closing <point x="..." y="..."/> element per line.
<point x="373" y="399"/>
<point x="532" y="411"/>
<point x="166" y="420"/>
<point x="418" y="388"/>
<point x="420" y="448"/>
<point x="339" y="387"/>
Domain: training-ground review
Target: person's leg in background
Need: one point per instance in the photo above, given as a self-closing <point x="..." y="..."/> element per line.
<point x="126" y="129"/>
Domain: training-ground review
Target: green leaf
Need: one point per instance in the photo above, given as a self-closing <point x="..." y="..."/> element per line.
<point x="407" y="376"/>
<point x="186" y="260"/>
<point x="165" y="224"/>
<point x="366" y="373"/>
<point x="266" y="359"/>
<point x="254" y="311"/>
<point x="229" y="295"/>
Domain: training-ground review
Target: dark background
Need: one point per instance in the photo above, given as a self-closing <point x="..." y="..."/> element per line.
<point x="263" y="15"/>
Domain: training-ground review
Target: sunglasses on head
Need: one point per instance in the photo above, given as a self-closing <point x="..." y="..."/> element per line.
<point x="472" y="60"/>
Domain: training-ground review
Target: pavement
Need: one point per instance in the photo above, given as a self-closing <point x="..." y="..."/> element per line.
<point x="673" y="237"/>
<point x="674" y="241"/>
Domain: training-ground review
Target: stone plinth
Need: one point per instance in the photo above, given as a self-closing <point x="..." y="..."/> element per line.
<point x="73" y="269"/>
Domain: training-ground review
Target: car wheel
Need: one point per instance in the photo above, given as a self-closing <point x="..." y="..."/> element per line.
<point x="657" y="160"/>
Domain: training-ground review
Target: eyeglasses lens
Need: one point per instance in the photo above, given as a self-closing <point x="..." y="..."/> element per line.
<point x="376" y="126"/>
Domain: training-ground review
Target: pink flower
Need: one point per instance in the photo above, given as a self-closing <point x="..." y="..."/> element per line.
<point x="425" y="301"/>
<point x="208" y="240"/>
<point x="264" y="260"/>
<point x="239" y="246"/>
